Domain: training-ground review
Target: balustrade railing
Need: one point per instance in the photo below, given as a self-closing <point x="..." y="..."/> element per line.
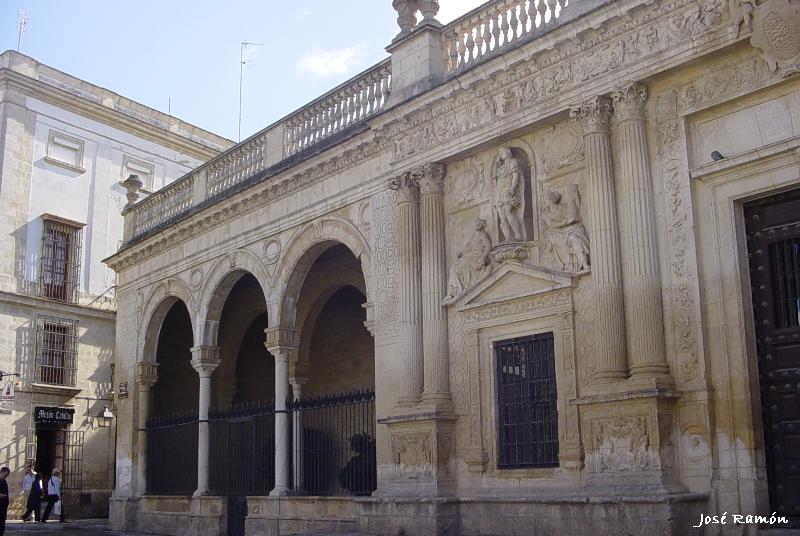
<point x="485" y="32"/>
<point x="164" y="205"/>
<point x="489" y="30"/>
<point x="350" y="103"/>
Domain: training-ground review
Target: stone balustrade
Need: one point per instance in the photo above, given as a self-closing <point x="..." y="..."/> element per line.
<point x="496" y="27"/>
<point x="492" y="28"/>
<point x="163" y="205"/>
<point x="353" y="101"/>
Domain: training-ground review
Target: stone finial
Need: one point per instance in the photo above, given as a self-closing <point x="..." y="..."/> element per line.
<point x="406" y="14"/>
<point x="133" y="184"/>
<point x="429" y="10"/>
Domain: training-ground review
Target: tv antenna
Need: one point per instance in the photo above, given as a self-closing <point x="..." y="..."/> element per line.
<point x="241" y="76"/>
<point x="22" y="25"/>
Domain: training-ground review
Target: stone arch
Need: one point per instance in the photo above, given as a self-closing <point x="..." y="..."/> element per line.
<point x="217" y="285"/>
<point x="158" y="303"/>
<point x="318" y="295"/>
<point x="302" y="250"/>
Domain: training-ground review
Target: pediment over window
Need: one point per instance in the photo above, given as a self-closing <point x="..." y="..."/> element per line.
<point x="510" y="281"/>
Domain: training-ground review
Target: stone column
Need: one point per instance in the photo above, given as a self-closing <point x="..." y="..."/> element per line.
<point x="281" y="342"/>
<point x="205" y="359"/>
<point x="645" y="322"/>
<point x="409" y="286"/>
<point x="146" y="377"/>
<point x="297" y="433"/>
<point x="434" y="284"/>
<point x="595" y="115"/>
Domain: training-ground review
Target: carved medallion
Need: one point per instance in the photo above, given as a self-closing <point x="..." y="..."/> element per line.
<point x="776" y="31"/>
<point x="272" y="251"/>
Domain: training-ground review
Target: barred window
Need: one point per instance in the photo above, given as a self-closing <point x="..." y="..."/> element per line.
<point x="526" y="399"/>
<point x="56" y="350"/>
<point x="60" y="261"/>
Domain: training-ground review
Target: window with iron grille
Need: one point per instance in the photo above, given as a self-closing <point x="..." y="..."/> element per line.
<point x="60" y="260"/>
<point x="526" y="402"/>
<point x="56" y="350"/>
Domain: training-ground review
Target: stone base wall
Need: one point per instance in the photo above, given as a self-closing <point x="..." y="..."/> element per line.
<point x="553" y="515"/>
<point x="282" y="516"/>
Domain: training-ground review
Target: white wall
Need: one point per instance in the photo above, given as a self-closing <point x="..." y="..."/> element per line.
<point x="93" y="197"/>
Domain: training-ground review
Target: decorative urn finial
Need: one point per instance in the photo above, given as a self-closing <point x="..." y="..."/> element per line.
<point x="133" y="183"/>
<point x="406" y="14"/>
<point x="429" y="10"/>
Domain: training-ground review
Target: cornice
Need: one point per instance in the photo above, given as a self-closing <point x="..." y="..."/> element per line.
<point x="59" y="97"/>
<point x="57" y="308"/>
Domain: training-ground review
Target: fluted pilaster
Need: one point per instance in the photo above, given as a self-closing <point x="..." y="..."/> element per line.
<point x="409" y="286"/>
<point x="434" y="284"/>
<point x="595" y="115"/>
<point x="643" y="308"/>
<point x="205" y="360"/>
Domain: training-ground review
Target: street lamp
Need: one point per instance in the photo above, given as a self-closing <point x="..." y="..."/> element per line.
<point x="105" y="418"/>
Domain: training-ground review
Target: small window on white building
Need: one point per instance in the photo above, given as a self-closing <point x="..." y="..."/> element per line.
<point x="145" y="171"/>
<point x="64" y="150"/>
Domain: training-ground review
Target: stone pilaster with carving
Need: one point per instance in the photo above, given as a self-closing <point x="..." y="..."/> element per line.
<point x="434" y="284"/>
<point x="281" y="343"/>
<point x="641" y="277"/>
<point x="409" y="276"/>
<point x="146" y="378"/>
<point x="205" y="360"/>
<point x="595" y="116"/>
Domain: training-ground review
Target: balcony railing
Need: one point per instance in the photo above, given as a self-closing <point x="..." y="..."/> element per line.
<point x="483" y="33"/>
<point x="494" y="28"/>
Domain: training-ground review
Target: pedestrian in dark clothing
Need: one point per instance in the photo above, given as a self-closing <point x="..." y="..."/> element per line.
<point x="32" y="485"/>
<point x="3" y="499"/>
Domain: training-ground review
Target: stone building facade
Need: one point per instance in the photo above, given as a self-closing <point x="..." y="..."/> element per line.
<point x="555" y="240"/>
<point x="65" y="147"/>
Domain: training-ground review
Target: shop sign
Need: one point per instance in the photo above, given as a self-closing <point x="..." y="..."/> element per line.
<point x="50" y="415"/>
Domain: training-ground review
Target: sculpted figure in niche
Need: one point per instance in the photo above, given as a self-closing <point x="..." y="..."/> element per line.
<point x="508" y="195"/>
<point x="471" y="264"/>
<point x="565" y="234"/>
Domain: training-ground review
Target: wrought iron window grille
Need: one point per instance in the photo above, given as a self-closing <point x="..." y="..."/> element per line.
<point x="527" y="413"/>
<point x="56" y="350"/>
<point x="60" y="264"/>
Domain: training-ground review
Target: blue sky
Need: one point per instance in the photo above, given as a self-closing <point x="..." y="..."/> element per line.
<point x="152" y="51"/>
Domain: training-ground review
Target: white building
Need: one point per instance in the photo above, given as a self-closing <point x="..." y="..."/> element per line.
<point x="65" y="146"/>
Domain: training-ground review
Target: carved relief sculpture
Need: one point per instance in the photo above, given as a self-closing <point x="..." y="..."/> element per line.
<point x="566" y="239"/>
<point x="776" y="31"/>
<point x="508" y="195"/>
<point x="471" y="264"/>
<point x="622" y="444"/>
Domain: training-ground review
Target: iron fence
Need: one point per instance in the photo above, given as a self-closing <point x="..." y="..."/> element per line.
<point x="336" y="446"/>
<point x="172" y="454"/>
<point x="242" y="450"/>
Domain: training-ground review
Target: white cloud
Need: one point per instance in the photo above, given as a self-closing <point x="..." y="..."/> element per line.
<point x="452" y="9"/>
<point x="321" y="62"/>
<point x="303" y="13"/>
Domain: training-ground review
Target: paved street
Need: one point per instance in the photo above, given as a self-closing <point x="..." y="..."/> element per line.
<point x="88" y="527"/>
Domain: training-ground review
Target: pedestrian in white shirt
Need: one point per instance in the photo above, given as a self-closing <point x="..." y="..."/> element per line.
<point x="53" y="494"/>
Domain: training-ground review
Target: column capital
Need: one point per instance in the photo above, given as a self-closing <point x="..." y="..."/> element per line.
<point x="629" y="101"/>
<point x="281" y="342"/>
<point x="594" y="114"/>
<point x="430" y="178"/>
<point x="406" y="187"/>
<point x="146" y="374"/>
<point x="205" y="360"/>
